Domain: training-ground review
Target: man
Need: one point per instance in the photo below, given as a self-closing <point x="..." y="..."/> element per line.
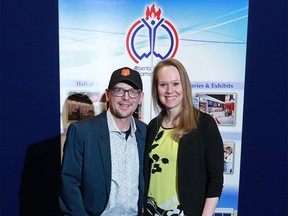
<point x="102" y="167"/>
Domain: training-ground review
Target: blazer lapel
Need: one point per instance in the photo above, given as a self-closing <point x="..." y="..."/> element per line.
<point x="105" y="151"/>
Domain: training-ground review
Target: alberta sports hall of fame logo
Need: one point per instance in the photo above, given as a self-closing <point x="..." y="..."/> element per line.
<point x="159" y="33"/>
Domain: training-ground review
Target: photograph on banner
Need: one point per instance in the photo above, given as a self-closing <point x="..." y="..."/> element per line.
<point x="220" y="106"/>
<point x="229" y="157"/>
<point x="82" y="105"/>
<point x="138" y="112"/>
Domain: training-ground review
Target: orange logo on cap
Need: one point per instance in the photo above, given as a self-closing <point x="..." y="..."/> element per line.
<point x="125" y="72"/>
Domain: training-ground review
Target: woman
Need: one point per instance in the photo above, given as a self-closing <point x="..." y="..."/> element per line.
<point x="184" y="154"/>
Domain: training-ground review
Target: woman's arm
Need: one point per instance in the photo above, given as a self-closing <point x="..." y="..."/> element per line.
<point x="210" y="205"/>
<point x="214" y="166"/>
<point x="214" y="157"/>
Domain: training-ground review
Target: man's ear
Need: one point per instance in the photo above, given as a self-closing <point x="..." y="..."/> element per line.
<point x="141" y="97"/>
<point x="107" y="95"/>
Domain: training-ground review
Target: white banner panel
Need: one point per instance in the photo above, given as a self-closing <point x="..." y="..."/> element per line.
<point x="208" y="37"/>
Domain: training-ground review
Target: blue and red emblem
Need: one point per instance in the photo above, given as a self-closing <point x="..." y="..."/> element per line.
<point x="157" y="29"/>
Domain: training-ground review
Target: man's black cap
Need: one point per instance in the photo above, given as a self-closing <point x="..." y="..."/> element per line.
<point x="128" y="76"/>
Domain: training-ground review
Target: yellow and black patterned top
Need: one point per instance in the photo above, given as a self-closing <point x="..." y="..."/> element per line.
<point x="162" y="193"/>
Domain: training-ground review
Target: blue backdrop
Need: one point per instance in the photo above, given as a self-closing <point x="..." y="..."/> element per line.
<point x="30" y="143"/>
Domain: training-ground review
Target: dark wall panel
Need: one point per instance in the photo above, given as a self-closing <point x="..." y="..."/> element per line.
<point x="263" y="177"/>
<point x="30" y="147"/>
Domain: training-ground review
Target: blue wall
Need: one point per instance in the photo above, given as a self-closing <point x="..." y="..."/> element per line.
<point x="30" y="106"/>
<point x="30" y="144"/>
<point x="263" y="177"/>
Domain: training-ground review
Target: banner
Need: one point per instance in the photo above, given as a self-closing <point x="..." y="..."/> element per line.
<point x="207" y="37"/>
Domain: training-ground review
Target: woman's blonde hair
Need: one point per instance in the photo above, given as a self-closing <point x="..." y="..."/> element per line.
<point x="187" y="119"/>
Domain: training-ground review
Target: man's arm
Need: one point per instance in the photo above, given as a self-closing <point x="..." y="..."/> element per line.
<point x="70" y="197"/>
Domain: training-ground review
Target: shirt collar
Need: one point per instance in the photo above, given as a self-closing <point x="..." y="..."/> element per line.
<point x="113" y="126"/>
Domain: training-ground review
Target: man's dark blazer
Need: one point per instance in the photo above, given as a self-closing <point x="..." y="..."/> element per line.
<point x="86" y="166"/>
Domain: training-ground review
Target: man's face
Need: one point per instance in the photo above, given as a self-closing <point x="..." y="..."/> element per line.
<point x="124" y="106"/>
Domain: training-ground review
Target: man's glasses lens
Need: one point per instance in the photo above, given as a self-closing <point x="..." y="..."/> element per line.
<point x="119" y="92"/>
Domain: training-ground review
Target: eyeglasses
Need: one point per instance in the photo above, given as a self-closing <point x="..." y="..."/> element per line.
<point x="120" y="92"/>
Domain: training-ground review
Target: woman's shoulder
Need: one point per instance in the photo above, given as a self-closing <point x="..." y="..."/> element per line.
<point x="205" y="118"/>
<point x="154" y="124"/>
<point x="155" y="120"/>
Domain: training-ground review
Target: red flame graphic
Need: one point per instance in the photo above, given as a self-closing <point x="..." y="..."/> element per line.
<point x="152" y="11"/>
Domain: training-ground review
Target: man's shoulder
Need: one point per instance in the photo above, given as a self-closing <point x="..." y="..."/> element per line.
<point x="140" y="123"/>
<point x="137" y="121"/>
<point x="97" y="120"/>
<point x="141" y="126"/>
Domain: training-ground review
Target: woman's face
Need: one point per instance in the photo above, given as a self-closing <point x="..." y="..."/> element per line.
<point x="169" y="88"/>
